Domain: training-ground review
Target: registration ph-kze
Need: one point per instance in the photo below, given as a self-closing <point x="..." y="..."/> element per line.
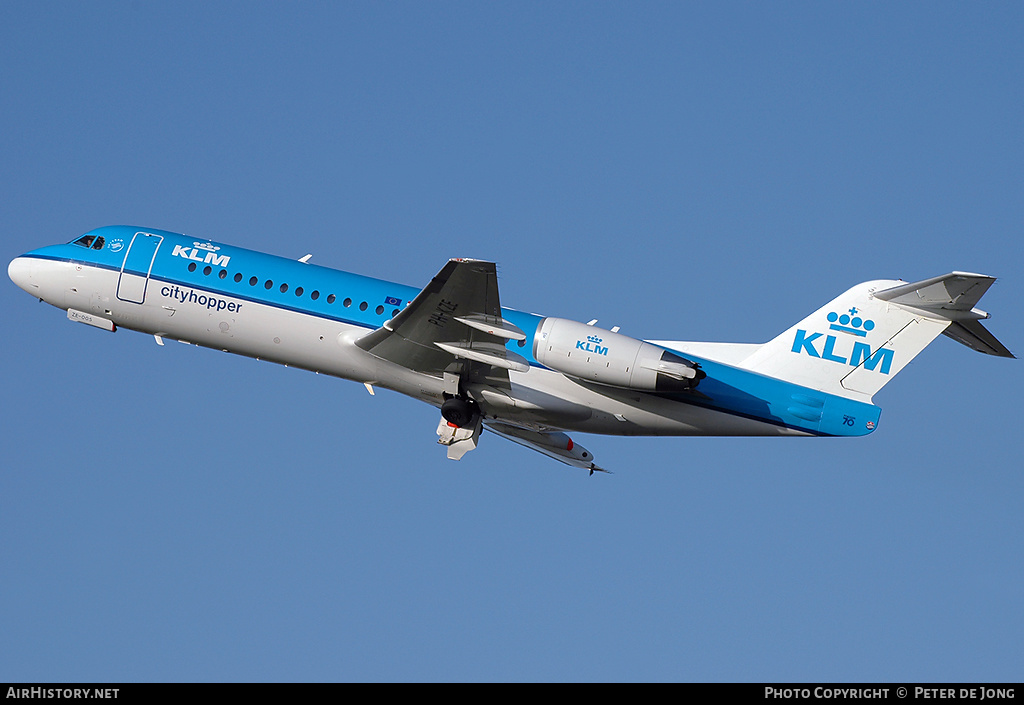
<point x="965" y="693"/>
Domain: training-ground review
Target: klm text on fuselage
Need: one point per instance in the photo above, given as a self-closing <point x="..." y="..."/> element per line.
<point x="860" y="354"/>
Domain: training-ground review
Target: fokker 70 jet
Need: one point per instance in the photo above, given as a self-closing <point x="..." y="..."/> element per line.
<point x="526" y="377"/>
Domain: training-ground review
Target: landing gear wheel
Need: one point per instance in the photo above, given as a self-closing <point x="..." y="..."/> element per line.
<point x="460" y="412"/>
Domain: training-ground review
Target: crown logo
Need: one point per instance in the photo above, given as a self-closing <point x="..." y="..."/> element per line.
<point x="851" y="323"/>
<point x="209" y="247"/>
<point x="594" y="339"/>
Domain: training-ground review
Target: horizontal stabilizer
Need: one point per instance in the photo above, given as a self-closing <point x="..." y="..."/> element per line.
<point x="976" y="337"/>
<point x="947" y="295"/>
<point x="951" y="297"/>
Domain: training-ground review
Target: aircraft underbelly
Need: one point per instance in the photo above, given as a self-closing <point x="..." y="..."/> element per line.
<point x="609" y="411"/>
<point x="239" y="326"/>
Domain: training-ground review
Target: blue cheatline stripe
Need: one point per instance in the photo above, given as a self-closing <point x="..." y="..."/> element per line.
<point x="227" y="293"/>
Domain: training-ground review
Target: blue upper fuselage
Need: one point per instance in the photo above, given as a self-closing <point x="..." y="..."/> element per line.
<point x="195" y="271"/>
<point x="208" y="266"/>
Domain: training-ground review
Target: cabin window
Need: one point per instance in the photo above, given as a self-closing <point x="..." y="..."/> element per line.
<point x="346" y="303"/>
<point x="380" y="310"/>
<point x="191" y="266"/>
<point x="284" y="288"/>
<point x="206" y="270"/>
<point x="252" y="281"/>
<point x="394" y="313"/>
<point x="238" y="277"/>
<point x="330" y="298"/>
<point x="315" y="295"/>
<point x="223" y="273"/>
<point x="269" y="284"/>
<point x="362" y="306"/>
<point x="298" y="291"/>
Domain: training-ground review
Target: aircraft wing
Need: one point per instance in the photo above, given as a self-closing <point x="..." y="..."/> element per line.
<point x="553" y="444"/>
<point x="453" y="325"/>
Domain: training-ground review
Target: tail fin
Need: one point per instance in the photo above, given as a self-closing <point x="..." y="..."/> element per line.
<point x="858" y="342"/>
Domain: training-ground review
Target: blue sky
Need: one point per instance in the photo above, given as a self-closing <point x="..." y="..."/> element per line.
<point x="694" y="171"/>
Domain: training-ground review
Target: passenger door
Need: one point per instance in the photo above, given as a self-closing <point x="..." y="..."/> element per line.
<point x="137" y="265"/>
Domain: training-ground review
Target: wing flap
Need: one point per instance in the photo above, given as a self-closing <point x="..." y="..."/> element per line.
<point x="493" y="326"/>
<point x="487" y="354"/>
<point x="453" y="325"/>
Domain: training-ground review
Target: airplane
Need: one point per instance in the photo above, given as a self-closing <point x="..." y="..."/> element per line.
<point x="529" y="378"/>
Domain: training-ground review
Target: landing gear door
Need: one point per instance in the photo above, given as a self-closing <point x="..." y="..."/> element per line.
<point x="138" y="262"/>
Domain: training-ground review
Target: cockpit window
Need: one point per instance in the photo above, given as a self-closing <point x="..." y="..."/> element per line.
<point x="93" y="241"/>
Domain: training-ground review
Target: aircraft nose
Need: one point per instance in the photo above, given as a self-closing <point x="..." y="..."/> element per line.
<point x="20" y="271"/>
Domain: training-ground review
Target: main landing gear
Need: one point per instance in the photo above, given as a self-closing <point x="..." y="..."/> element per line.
<point x="459" y="411"/>
<point x="460" y="426"/>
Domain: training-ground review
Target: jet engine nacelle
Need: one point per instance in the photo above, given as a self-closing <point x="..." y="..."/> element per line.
<point x="585" y="352"/>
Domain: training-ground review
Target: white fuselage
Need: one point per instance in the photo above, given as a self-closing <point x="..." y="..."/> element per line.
<point x="540" y="398"/>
